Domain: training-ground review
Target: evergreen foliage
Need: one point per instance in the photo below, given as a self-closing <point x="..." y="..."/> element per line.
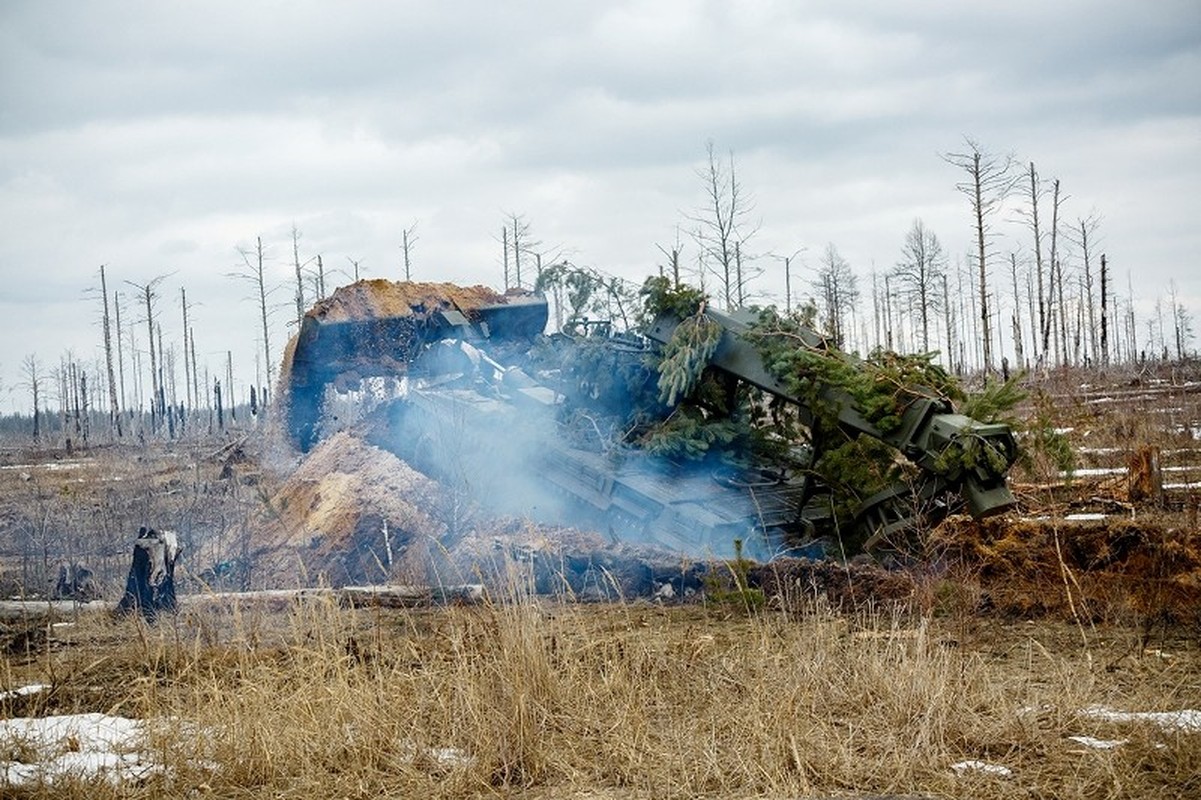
<point x="1045" y="450"/>
<point x="674" y="407"/>
<point x="856" y="469"/>
<point x="970" y="452"/>
<point x="659" y="297"/>
<point x="881" y="388"/>
<point x="689" y="433"/>
<point x="616" y="380"/>
<point x="824" y="377"/>
<point x="686" y="355"/>
<point x="995" y="402"/>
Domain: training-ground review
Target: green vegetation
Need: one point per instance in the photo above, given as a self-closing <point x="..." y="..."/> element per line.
<point x="822" y="376"/>
<point x="696" y="416"/>
<point x="1045" y="450"/>
<point x="729" y="585"/>
<point x="686" y="355"/>
<point x="660" y="296"/>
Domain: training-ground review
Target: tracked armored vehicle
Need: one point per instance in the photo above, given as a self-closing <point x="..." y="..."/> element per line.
<point x="466" y="386"/>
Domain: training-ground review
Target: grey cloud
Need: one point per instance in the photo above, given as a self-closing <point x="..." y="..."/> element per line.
<point x="155" y="137"/>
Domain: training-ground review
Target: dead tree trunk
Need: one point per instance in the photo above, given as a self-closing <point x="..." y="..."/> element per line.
<point x="300" y="304"/>
<point x="1018" y="346"/>
<point x="1104" y="311"/>
<point x="114" y="414"/>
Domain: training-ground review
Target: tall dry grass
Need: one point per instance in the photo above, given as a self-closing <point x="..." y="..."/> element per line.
<point x="528" y="698"/>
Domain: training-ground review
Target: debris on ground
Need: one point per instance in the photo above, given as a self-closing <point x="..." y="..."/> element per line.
<point x="797" y="581"/>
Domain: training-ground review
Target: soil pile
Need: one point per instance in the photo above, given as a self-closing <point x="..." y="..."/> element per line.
<point x="1145" y="569"/>
<point x="379" y="298"/>
<point x="351" y="513"/>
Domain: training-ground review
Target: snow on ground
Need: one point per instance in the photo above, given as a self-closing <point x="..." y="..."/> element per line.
<point x="33" y="688"/>
<point x="1099" y="744"/>
<point x="1187" y="720"/>
<point x="972" y="765"/>
<point x="43" y="749"/>
<point x="52" y="466"/>
<point x="1094" y="472"/>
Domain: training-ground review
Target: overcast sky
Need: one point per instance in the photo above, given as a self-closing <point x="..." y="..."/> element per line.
<point x="157" y="138"/>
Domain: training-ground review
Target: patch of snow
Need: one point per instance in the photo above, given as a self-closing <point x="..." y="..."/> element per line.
<point x="1187" y="720"/>
<point x="1085" y="517"/>
<point x="972" y="765"/>
<point x="33" y="688"/>
<point x="1099" y="744"/>
<point x="1063" y="431"/>
<point x="450" y="757"/>
<point x="1093" y="472"/>
<point x="60" y="466"/>
<point x="78" y="745"/>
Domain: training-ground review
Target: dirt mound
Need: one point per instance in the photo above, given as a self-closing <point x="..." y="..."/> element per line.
<point x="1144" y="569"/>
<point x="797" y="581"/>
<point x="379" y="298"/>
<point x="350" y="513"/>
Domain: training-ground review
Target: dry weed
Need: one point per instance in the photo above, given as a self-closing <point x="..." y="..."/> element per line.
<point x="619" y="701"/>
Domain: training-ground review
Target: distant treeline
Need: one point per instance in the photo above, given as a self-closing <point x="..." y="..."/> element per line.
<point x="55" y="428"/>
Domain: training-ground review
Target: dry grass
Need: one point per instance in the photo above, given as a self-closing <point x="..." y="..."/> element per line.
<point x="526" y="698"/>
<point x="532" y="698"/>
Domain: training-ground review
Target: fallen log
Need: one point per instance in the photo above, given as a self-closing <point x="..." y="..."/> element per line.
<point x="383" y="596"/>
<point x="410" y="596"/>
<point x="11" y="610"/>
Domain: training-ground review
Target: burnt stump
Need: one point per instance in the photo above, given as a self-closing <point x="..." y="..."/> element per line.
<point x="150" y="587"/>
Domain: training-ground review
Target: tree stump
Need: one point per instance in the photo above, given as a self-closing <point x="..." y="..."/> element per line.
<point x="150" y="587"/>
<point x="75" y="582"/>
<point x="1145" y="477"/>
